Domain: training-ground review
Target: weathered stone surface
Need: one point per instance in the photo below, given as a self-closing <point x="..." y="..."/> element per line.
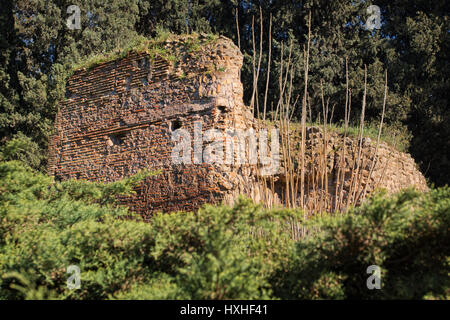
<point x="378" y="168"/>
<point x="119" y="116"/>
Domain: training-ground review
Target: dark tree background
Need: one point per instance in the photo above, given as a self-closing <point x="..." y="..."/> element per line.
<point x="38" y="50"/>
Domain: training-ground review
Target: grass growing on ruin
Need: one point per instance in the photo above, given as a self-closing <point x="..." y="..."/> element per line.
<point x="153" y="47"/>
<point x="139" y="44"/>
<point x="393" y="135"/>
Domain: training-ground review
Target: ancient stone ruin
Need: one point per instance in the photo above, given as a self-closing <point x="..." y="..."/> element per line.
<point x="119" y="117"/>
<point x="361" y="167"/>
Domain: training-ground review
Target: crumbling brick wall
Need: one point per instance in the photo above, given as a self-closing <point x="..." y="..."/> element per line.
<point x="119" y="116"/>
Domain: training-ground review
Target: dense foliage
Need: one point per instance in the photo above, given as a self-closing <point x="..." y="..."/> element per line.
<point x="219" y="252"/>
<point x="406" y="235"/>
<point x="38" y="51"/>
<point x="223" y="252"/>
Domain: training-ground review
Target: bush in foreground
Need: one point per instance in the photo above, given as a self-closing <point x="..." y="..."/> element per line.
<point x="406" y="235"/>
<point x="211" y="254"/>
<point x="219" y="252"/>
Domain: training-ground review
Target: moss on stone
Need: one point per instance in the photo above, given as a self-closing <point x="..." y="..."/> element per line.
<point x="154" y="47"/>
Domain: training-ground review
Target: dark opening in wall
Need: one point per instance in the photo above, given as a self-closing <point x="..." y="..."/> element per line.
<point x="116" y="139"/>
<point x="175" y="125"/>
<point x="222" y="109"/>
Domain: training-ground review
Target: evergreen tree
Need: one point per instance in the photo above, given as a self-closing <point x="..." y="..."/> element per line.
<point x="38" y="52"/>
<point x="420" y="64"/>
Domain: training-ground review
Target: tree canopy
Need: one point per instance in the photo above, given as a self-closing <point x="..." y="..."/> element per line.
<point x="38" y="51"/>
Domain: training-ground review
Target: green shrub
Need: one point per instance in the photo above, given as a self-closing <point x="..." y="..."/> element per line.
<point x="406" y="235"/>
<point x="214" y="252"/>
<point x="159" y="287"/>
<point x="47" y="226"/>
<point x="24" y="149"/>
<point x="219" y="252"/>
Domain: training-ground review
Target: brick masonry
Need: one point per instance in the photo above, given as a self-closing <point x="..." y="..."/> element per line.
<point x="118" y="118"/>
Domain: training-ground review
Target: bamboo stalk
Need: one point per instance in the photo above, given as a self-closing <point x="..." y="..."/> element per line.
<point x="268" y="66"/>
<point x="342" y="159"/>
<point x="302" y="172"/>
<point x="252" y="101"/>
<point x="354" y="181"/>
<point x="237" y="27"/>
<point x="375" y="159"/>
